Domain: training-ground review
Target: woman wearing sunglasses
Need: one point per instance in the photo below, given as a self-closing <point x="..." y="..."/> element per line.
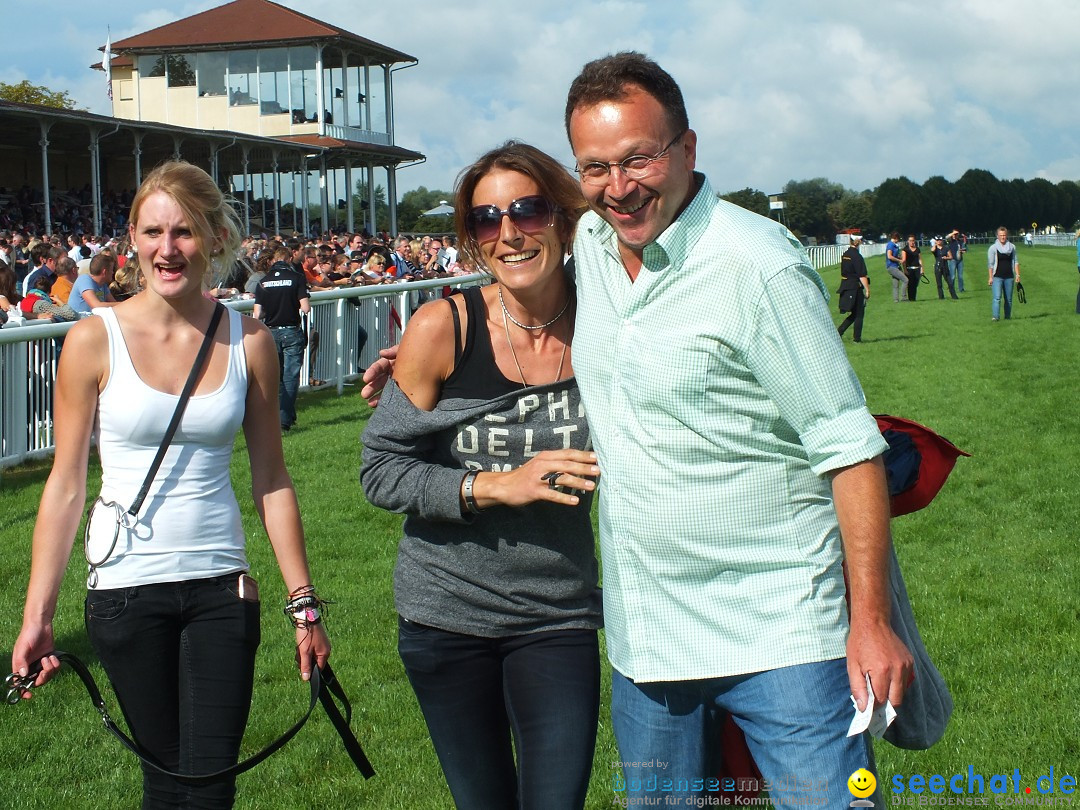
<point x="480" y="439"/>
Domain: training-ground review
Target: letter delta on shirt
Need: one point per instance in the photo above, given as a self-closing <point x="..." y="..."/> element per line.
<point x="531" y="423"/>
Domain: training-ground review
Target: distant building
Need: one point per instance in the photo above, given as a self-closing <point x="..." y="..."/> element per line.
<point x="256" y="67"/>
<point x="266" y="99"/>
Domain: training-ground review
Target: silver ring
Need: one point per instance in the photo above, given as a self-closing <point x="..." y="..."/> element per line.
<point x="551" y="478"/>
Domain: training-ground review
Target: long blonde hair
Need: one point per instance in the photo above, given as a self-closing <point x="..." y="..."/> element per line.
<point x="211" y="214"/>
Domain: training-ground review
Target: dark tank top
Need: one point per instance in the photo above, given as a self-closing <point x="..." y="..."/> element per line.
<point x="475" y="375"/>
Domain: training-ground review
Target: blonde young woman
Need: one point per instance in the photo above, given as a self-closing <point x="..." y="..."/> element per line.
<point x="165" y="612"/>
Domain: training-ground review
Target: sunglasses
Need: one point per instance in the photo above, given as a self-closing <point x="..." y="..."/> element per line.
<point x="529" y="214"/>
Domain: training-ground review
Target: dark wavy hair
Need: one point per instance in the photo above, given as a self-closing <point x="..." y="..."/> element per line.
<point x="552" y="178"/>
<point x="613" y="78"/>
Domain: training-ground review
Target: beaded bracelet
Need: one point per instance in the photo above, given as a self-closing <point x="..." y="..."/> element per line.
<point x="467" y="491"/>
<point x="305" y="610"/>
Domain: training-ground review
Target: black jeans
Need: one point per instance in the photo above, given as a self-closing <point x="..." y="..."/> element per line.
<point x="941" y="271"/>
<point x="914" y="276"/>
<point x="543" y="688"/>
<point x="855" y="316"/>
<point x="181" y="658"/>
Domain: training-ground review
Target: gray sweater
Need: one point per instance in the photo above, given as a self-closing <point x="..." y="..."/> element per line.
<point x="507" y="570"/>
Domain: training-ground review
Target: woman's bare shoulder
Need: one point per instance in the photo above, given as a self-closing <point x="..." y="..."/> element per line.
<point x="426" y="357"/>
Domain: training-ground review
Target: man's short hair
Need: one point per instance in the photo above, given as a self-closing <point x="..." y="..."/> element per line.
<point x="37" y="253"/>
<point x="613" y="77"/>
<point x="102" y="262"/>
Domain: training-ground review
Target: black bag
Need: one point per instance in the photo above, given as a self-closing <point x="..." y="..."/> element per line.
<point x="847" y="300"/>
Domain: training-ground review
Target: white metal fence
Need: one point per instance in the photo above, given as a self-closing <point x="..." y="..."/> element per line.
<point x="352" y="325"/>
<point x="826" y="255"/>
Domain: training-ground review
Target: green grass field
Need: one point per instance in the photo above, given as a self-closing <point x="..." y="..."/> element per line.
<point x="992" y="568"/>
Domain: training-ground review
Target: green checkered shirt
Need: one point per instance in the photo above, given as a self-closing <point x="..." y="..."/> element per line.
<point x="719" y="396"/>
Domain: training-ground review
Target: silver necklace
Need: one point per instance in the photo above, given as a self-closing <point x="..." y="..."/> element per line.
<point x="513" y="353"/>
<point x="506" y="312"/>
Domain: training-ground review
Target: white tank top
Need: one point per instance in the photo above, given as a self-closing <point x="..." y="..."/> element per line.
<point x="189" y="525"/>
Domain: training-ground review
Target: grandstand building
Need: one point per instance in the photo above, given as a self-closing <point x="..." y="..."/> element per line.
<point x="263" y="97"/>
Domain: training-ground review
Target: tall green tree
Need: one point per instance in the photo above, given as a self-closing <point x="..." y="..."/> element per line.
<point x="26" y="93"/>
<point x="897" y="205"/>
<point x="853" y="210"/>
<point x="807" y="207"/>
<point x="981" y="200"/>
<point x="749" y="198"/>
<point x="1015" y="208"/>
<point x="1044" y="204"/>
<point x="940" y="210"/>
<point x="1069" y="194"/>
<point x="414" y="203"/>
<point x="360" y="206"/>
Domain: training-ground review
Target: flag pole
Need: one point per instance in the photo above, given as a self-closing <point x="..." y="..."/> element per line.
<point x="106" y="63"/>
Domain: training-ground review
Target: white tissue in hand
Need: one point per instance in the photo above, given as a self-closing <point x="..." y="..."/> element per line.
<point x="872" y="719"/>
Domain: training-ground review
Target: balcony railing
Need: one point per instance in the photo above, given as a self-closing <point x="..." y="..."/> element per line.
<point x="356" y="134"/>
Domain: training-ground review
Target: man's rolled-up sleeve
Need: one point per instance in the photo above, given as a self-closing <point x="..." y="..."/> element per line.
<point x="798" y="358"/>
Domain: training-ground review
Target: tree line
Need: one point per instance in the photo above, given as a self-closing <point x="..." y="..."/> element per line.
<point x="976" y="203"/>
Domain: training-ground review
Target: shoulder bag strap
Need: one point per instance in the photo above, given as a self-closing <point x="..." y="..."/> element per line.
<point x="181" y="404"/>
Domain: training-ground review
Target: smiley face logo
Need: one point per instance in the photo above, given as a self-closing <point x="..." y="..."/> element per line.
<point x="861" y="783"/>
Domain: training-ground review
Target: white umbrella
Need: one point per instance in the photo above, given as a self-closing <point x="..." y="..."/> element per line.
<point x="443" y="209"/>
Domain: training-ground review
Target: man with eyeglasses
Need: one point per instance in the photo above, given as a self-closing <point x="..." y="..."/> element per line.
<point x="736" y="449"/>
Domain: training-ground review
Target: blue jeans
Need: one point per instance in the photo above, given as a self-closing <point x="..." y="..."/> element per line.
<point x="959" y="276"/>
<point x="794" y="718"/>
<point x="181" y="659"/>
<point x="1002" y="285"/>
<point x="543" y="688"/>
<point x="290" y="341"/>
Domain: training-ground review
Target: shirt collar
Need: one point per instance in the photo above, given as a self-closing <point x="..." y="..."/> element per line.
<point x="688" y="229"/>
<point x="676" y="241"/>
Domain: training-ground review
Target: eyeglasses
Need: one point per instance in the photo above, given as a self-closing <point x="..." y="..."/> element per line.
<point x="529" y="214"/>
<point x="634" y="167"/>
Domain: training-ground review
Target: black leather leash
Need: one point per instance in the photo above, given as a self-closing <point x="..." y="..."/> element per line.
<point x="324" y="688"/>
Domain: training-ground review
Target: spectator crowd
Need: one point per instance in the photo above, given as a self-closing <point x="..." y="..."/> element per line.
<point x="39" y="271"/>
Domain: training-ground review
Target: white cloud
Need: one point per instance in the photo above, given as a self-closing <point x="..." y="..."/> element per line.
<point x="777" y="90"/>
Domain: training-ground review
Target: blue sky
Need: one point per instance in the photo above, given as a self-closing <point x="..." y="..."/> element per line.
<point x="777" y="90"/>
